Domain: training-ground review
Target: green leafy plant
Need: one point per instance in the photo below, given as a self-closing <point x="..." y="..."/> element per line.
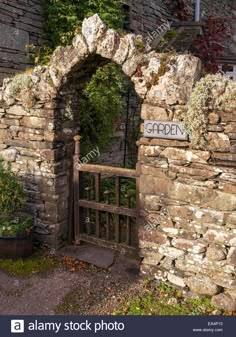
<point x="15" y="226"/>
<point x="101" y="101"/>
<point x="65" y="17"/>
<point x="12" y="197"/>
<point x="21" y="86"/>
<point x="40" y="262"/>
<point x="100" y="106"/>
<point x="165" y="300"/>
<point x="215" y="91"/>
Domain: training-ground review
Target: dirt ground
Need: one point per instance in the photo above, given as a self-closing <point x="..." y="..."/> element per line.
<point x="87" y="291"/>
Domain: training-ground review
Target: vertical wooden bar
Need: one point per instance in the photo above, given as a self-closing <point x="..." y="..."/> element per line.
<point x="117" y="217"/>
<point x="71" y="207"/>
<point x="97" y="198"/>
<point x="88" y="212"/>
<point x="128" y="221"/>
<point x="76" y="183"/>
<point x="137" y="223"/>
<point x="108" y="218"/>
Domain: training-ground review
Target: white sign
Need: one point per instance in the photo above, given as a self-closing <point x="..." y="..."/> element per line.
<point x="166" y="130"/>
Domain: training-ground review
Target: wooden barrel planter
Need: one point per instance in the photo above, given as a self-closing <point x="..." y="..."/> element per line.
<point x="19" y="245"/>
<point x="14" y="248"/>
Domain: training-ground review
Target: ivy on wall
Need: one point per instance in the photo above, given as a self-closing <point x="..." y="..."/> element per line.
<point x="100" y="106"/>
<point x="101" y="102"/>
<point x="65" y="17"/>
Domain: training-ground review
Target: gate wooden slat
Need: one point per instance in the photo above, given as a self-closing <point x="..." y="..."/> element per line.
<point x="108" y="208"/>
<point x="117" y="216"/>
<point x="114" y="171"/>
<point x="97" y="198"/>
<point x="114" y="236"/>
<point x="123" y="248"/>
<point x="128" y="221"/>
<point x="108" y="223"/>
<point x="76" y="192"/>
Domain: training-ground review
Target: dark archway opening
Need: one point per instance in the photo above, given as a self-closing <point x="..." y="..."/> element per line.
<point x="120" y="151"/>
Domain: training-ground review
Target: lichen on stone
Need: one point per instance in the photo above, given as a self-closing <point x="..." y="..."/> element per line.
<point x="212" y="93"/>
<point x="20" y="87"/>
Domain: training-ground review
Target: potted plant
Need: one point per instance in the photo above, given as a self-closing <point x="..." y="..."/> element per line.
<point x="15" y="225"/>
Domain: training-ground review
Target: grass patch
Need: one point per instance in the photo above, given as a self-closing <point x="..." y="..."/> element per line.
<point x="39" y="262"/>
<point x="70" y="304"/>
<point x="165" y="300"/>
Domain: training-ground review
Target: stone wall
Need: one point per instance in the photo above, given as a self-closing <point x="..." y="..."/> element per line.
<point x="147" y="16"/>
<point x="40" y="116"/>
<point x="187" y="222"/>
<point x="21" y="24"/>
<point x="188" y="199"/>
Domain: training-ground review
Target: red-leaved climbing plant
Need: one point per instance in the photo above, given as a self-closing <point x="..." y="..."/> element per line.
<point x="210" y="45"/>
<point x="179" y="9"/>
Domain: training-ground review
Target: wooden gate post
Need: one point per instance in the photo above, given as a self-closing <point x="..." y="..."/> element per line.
<point x="76" y="182"/>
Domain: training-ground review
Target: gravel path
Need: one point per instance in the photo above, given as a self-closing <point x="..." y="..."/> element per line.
<point x="87" y="291"/>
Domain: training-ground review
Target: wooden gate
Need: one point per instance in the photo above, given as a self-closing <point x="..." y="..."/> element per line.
<point x="100" y="216"/>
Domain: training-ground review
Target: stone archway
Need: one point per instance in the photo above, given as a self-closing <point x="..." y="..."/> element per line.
<point x="39" y="112"/>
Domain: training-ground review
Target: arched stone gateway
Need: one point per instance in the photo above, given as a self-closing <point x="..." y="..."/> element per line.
<point x="187" y="197"/>
<point x="40" y="114"/>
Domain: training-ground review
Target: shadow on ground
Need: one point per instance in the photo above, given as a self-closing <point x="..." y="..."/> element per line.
<point x="90" y="290"/>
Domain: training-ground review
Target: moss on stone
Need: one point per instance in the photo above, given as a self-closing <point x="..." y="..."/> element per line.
<point x="39" y="262"/>
<point x="21" y="86"/>
<point x="212" y="93"/>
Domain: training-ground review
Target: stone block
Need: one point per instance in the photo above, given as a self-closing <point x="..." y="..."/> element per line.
<point x="80" y="44"/>
<point x="152" y="258"/>
<point x="224" y="301"/>
<point x="33" y="122"/>
<point x="231" y="258"/>
<point x="230" y="128"/>
<point x="150" y="151"/>
<point x="219" y="236"/>
<point x="9" y="154"/>
<point x="153" y="236"/>
<point x="176" y="85"/>
<point x="171" y="252"/>
<point x="192" y="246"/>
<point x="148" y="245"/>
<point x="202" y="285"/>
<point x="30" y="136"/>
<point x="131" y="64"/>
<point x="213" y="118"/>
<point x="193" y="156"/>
<point x="228" y="117"/>
<point x="5" y="134"/>
<point x="154" y="113"/>
<point x="122" y="51"/>
<point x="107" y="47"/>
<point x="152" y="185"/>
<point x="200" y="196"/>
<point x="17" y="110"/>
<point x="215" y="253"/>
<point x="176" y="280"/>
<point x="93" y="29"/>
<point x="12" y="38"/>
<point x="218" y="142"/>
